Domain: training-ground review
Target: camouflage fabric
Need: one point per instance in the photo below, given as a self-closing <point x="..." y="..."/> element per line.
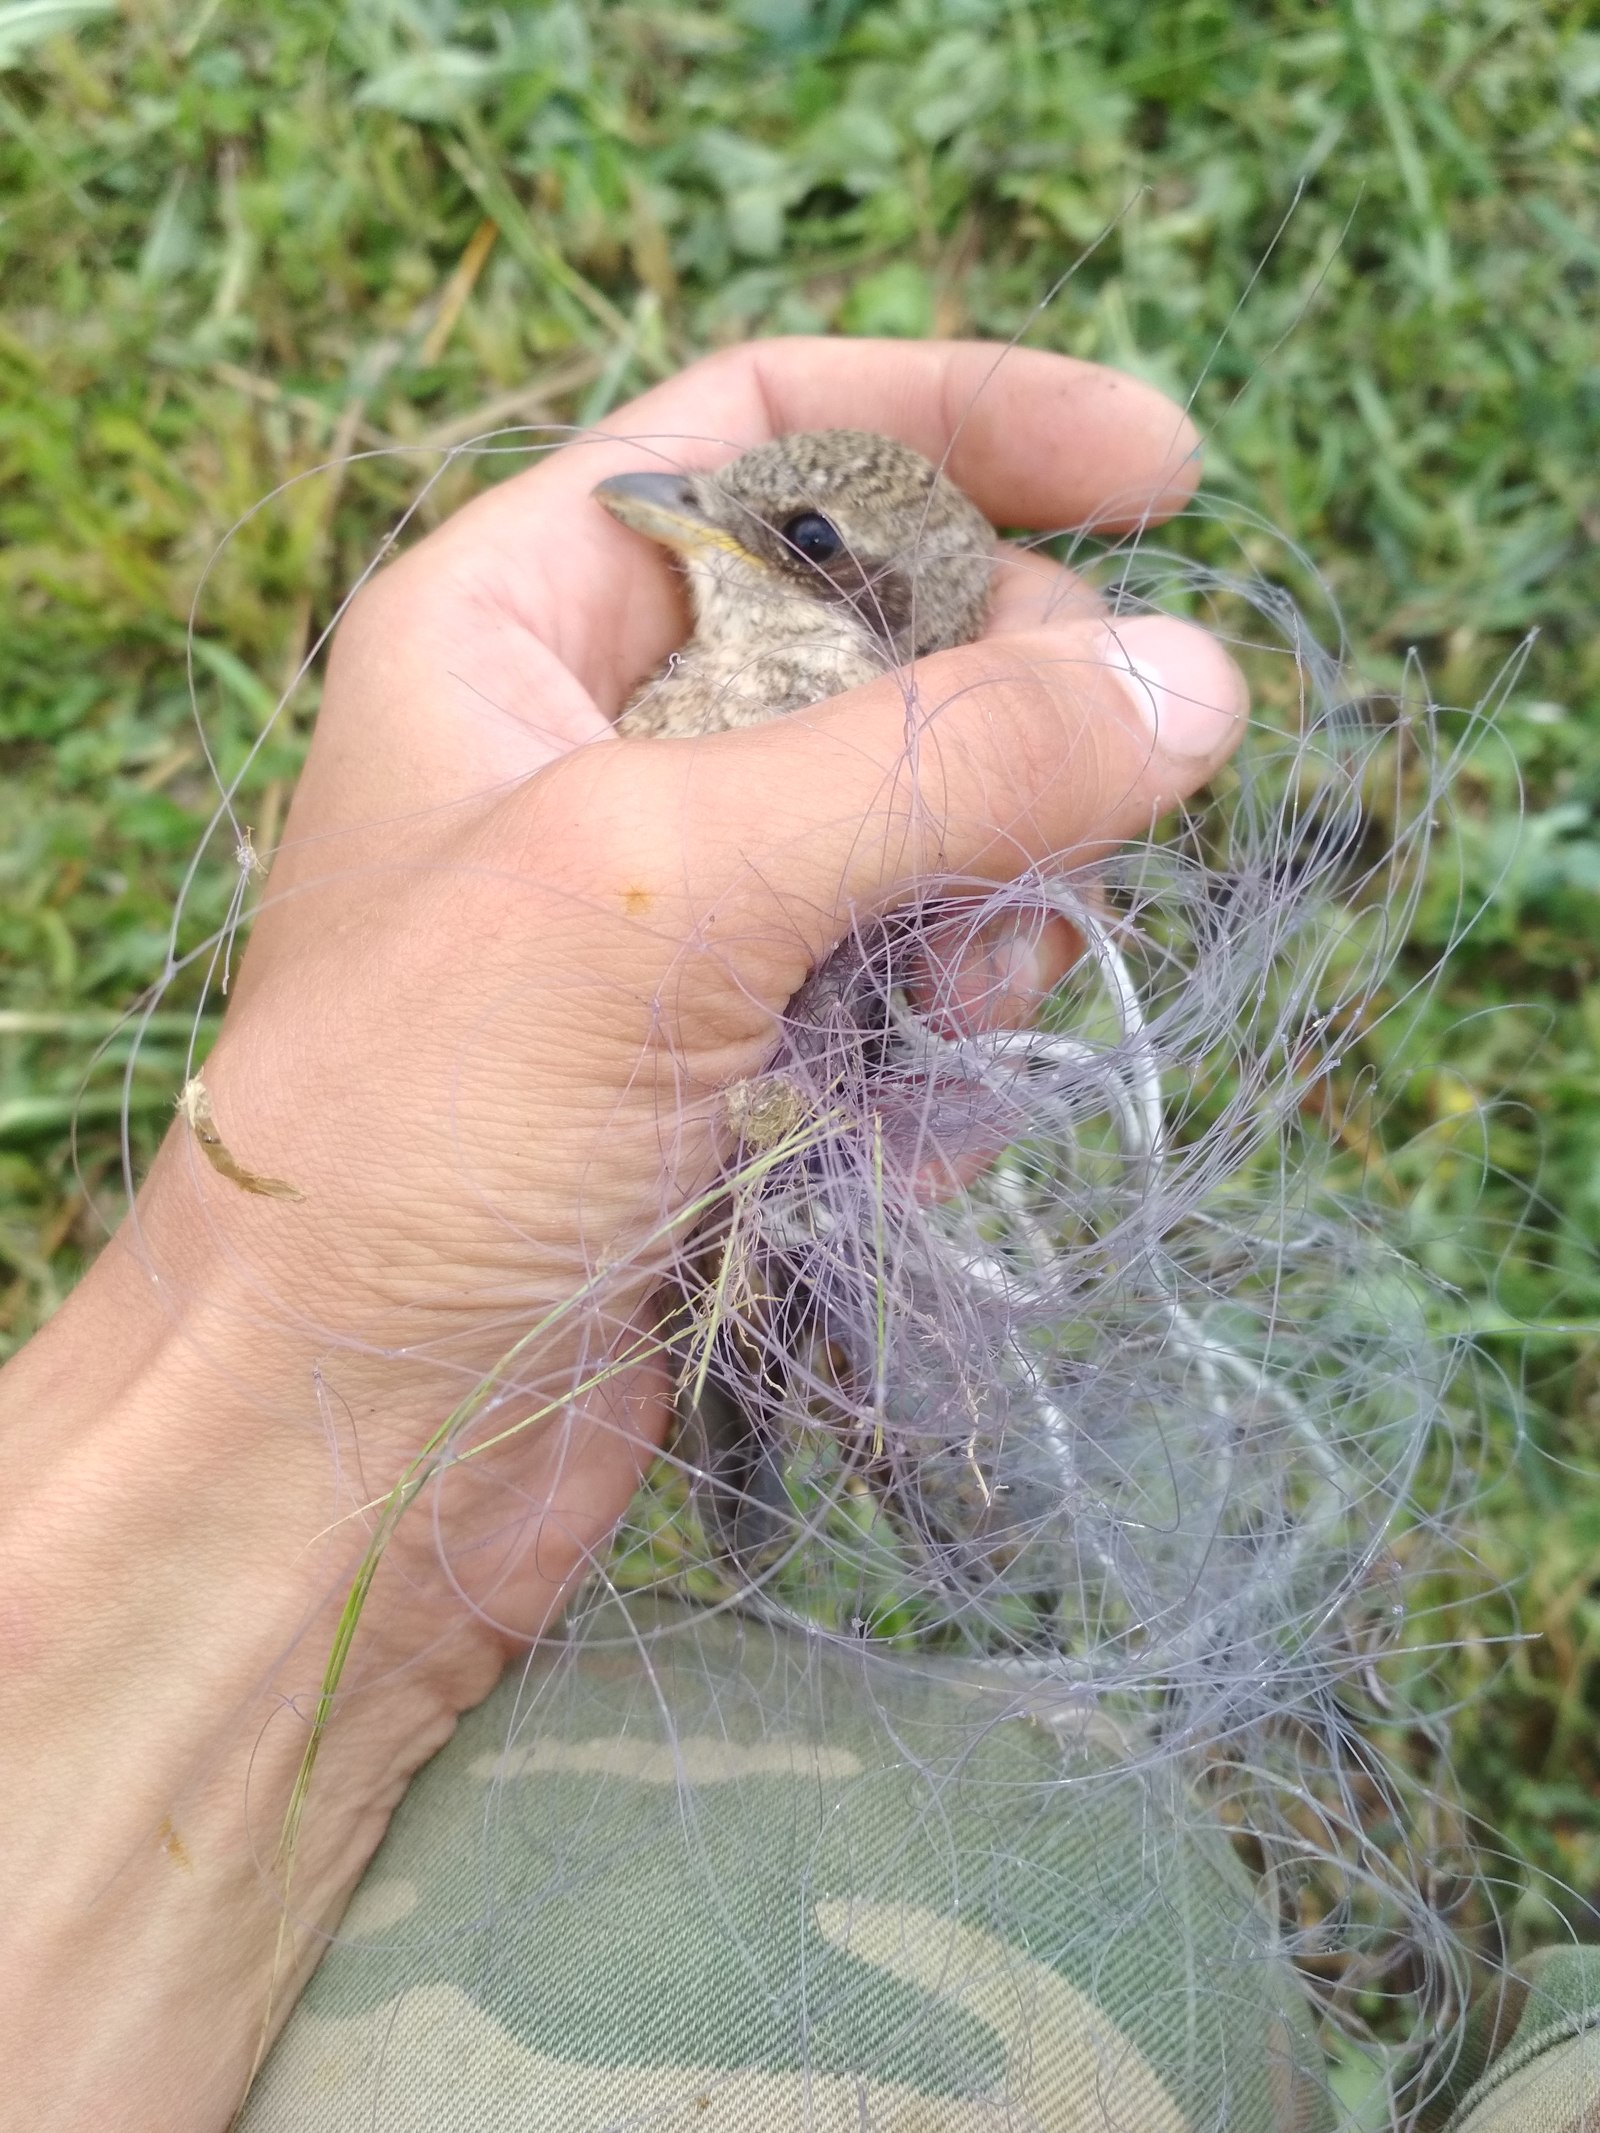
<point x="1543" y="2070"/>
<point x="689" y="1872"/>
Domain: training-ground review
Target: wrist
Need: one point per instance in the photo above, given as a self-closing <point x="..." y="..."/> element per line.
<point x="170" y="1590"/>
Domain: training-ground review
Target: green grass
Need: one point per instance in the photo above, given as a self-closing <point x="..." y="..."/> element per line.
<point x="235" y="242"/>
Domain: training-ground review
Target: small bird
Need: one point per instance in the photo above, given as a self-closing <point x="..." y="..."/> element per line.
<point x="815" y="563"/>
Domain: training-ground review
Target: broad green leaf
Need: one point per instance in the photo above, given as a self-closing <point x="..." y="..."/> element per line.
<point x="24" y="24"/>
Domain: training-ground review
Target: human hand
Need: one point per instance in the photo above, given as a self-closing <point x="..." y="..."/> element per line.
<point x="504" y="965"/>
<point x="504" y="962"/>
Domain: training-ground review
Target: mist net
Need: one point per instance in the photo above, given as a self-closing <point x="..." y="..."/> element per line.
<point x="979" y="1719"/>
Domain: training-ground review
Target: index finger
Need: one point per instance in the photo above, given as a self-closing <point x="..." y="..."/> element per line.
<point x="1035" y="439"/>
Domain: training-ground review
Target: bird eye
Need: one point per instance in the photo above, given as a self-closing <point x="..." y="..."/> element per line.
<point x="816" y="537"/>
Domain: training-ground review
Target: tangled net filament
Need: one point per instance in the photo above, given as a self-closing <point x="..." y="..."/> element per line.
<point x="1070" y="1348"/>
<point x="1079" y="1349"/>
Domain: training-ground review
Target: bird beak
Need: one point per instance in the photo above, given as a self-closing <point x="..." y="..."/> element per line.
<point x="665" y="507"/>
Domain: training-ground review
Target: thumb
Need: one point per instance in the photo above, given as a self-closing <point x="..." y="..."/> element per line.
<point x="976" y="765"/>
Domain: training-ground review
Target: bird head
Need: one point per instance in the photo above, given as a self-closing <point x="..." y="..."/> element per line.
<point x="845" y="518"/>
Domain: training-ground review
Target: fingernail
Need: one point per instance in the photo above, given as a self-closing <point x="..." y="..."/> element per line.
<point x="1190" y="695"/>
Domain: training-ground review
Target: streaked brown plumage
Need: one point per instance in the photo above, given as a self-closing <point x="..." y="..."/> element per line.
<point x="814" y="563"/>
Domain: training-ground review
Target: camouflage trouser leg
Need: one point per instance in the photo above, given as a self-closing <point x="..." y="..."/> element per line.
<point x="694" y="1873"/>
<point x="1531" y="2056"/>
<point x="686" y="1872"/>
<point x="690" y="1872"/>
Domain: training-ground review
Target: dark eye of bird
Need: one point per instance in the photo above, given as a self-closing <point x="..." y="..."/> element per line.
<point x="816" y="537"/>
